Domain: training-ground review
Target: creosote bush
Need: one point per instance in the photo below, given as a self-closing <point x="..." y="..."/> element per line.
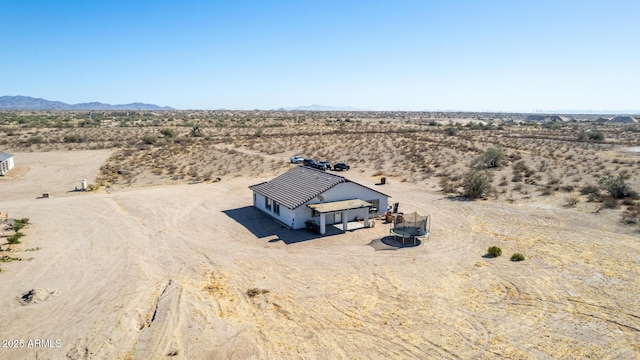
<point x="492" y="158"/>
<point x="517" y="257"/>
<point x="617" y="186"/>
<point x="168" y="133"/>
<point x="476" y="184"/>
<point x="72" y="138"/>
<point x="588" y="135"/>
<point x="494" y="251"/>
<point x="571" y="201"/>
<point x="149" y="139"/>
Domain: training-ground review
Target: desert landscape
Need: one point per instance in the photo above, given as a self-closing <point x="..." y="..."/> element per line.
<point x="165" y="257"/>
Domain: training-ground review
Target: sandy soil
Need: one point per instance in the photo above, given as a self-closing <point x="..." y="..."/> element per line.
<point x="194" y="272"/>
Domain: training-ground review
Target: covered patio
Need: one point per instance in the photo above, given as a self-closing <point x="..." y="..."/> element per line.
<point x="342" y="207"/>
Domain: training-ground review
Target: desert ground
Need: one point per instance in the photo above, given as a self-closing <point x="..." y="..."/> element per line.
<point x="177" y="264"/>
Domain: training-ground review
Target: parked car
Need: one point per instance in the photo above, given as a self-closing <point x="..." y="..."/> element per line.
<point x="296" y="159"/>
<point x="341" y="166"/>
<point x="320" y="166"/>
<point x="308" y="162"/>
<point x="324" y="165"/>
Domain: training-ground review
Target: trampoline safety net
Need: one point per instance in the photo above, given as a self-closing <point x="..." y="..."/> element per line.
<point x="410" y="225"/>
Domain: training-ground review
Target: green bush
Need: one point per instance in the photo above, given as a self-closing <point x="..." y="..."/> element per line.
<point x="15" y="238"/>
<point x="168" y="133"/>
<point x="494" y="251"/>
<point x="588" y="135"/>
<point x="492" y="158"/>
<point x="149" y="139"/>
<point x="72" y="138"/>
<point x="517" y="257"/>
<point x="476" y="184"/>
<point x="20" y="223"/>
<point x="37" y="140"/>
<point x="617" y="186"/>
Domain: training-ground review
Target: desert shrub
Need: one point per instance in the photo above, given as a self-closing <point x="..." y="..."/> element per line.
<point x="631" y="216"/>
<point x="517" y="257"/>
<point x="494" y="251"/>
<point x="571" y="201"/>
<point x="72" y="138"/>
<point x="37" y="140"/>
<point x="253" y="292"/>
<point x="588" y="135"/>
<point x="7" y="258"/>
<point x="553" y="181"/>
<point x="609" y="202"/>
<point x="546" y="191"/>
<point x="149" y="139"/>
<point x="20" y="223"/>
<point x="447" y="185"/>
<point x="168" y="133"/>
<point x="15" y="238"/>
<point x="476" y="184"/>
<point x="617" y="186"/>
<point x="589" y="189"/>
<point x="451" y="131"/>
<point x="567" y="188"/>
<point x="491" y="158"/>
<point x="196" y="131"/>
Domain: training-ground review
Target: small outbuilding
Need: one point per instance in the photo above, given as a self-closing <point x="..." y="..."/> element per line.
<point x="6" y="162"/>
<point x="305" y="194"/>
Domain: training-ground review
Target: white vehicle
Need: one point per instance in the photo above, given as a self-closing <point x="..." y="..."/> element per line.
<point x="296" y="159"/>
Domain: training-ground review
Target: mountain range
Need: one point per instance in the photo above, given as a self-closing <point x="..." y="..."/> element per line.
<point x="30" y="103"/>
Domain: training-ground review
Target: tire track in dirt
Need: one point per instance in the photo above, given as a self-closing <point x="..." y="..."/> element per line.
<point x="158" y="338"/>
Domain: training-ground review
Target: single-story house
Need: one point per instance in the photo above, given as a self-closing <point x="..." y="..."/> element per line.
<point x="6" y="162"/>
<point x="303" y="193"/>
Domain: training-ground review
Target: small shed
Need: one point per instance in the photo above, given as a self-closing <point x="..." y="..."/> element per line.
<point x="6" y="162"/>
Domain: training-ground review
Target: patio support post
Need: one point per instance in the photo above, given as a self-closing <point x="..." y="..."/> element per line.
<point x="323" y="224"/>
<point x="345" y="221"/>
<point x="366" y="218"/>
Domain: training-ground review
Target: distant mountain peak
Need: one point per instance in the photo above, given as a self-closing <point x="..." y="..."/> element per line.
<point x="20" y="102"/>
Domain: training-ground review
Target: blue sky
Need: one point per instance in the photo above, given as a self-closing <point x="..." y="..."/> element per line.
<point x="377" y="55"/>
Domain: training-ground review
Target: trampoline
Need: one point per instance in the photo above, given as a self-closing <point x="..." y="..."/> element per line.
<point x="410" y="226"/>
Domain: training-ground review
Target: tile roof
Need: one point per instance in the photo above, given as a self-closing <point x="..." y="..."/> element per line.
<point x="299" y="185"/>
<point x="4" y="156"/>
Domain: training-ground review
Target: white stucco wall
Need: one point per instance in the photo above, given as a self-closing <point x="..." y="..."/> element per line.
<point x="6" y="165"/>
<point x="351" y="190"/>
<point x="286" y="215"/>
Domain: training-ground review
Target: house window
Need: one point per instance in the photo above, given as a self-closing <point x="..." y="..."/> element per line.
<point x="276" y="208"/>
<point x="267" y="203"/>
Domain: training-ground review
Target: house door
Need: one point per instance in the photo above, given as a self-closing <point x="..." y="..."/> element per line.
<point x="337" y="218"/>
